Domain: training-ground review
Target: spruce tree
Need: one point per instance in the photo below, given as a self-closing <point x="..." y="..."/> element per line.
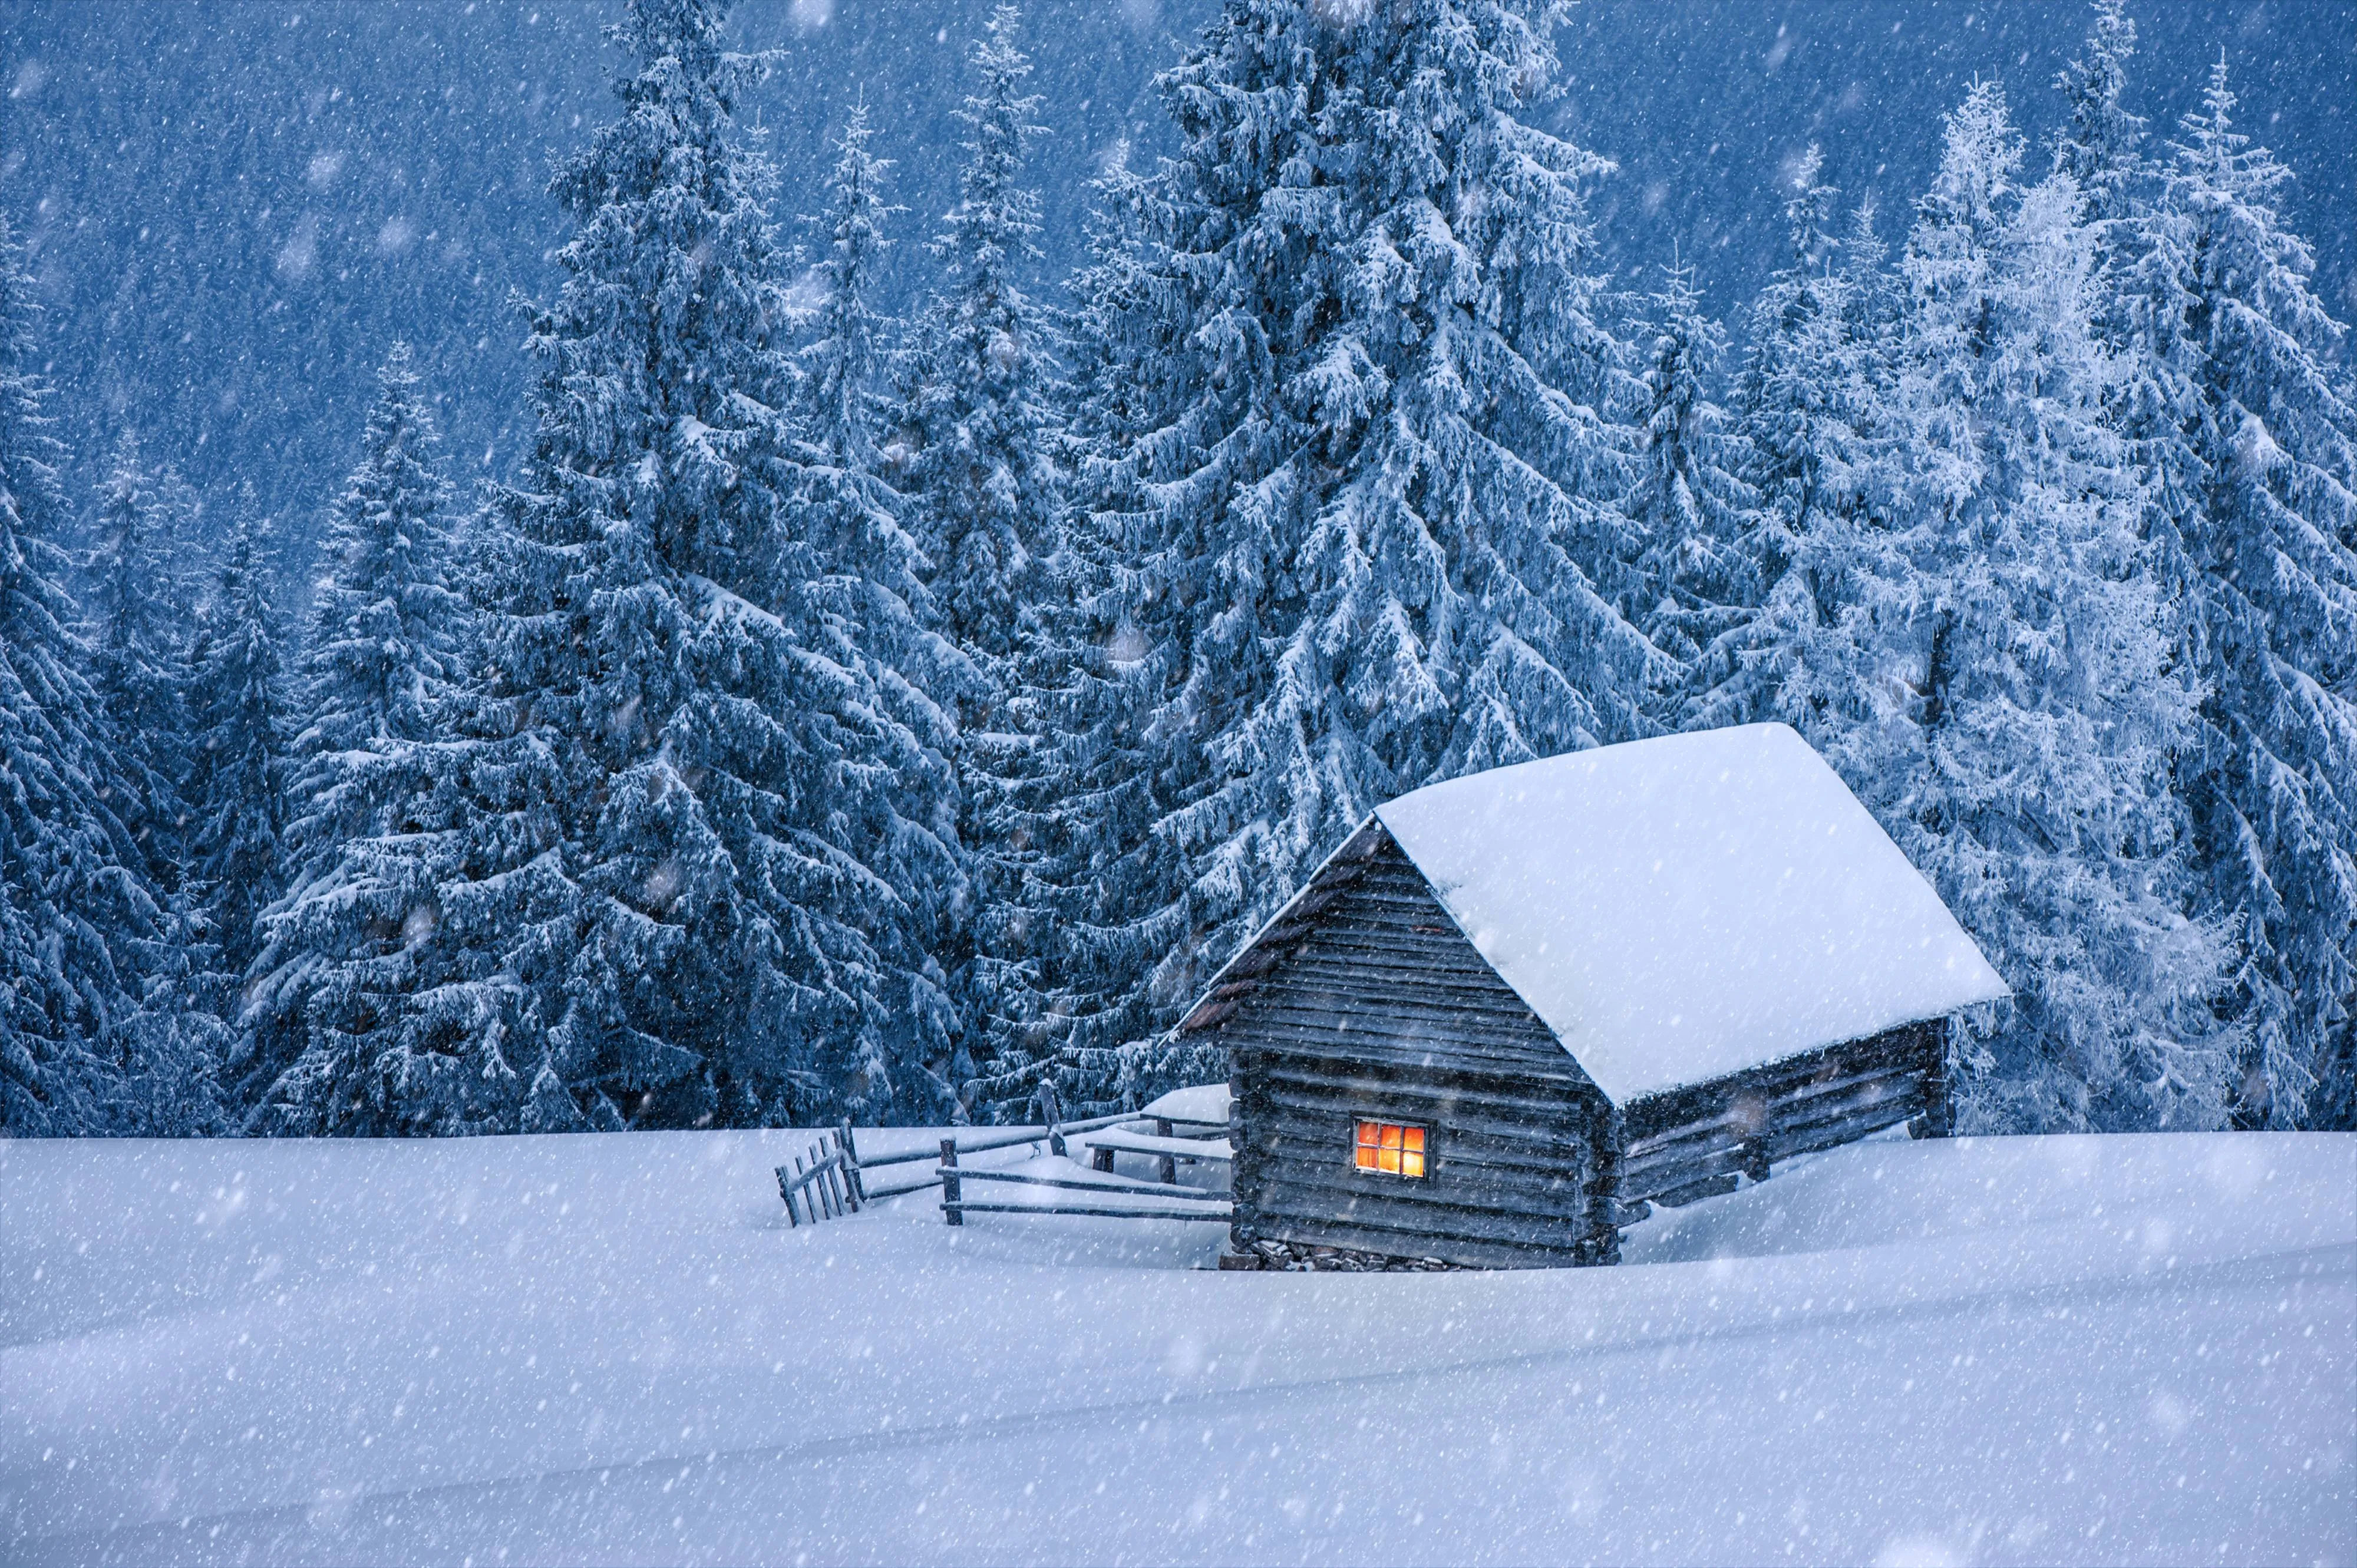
<point x="2254" y="442"/>
<point x="388" y="1006"/>
<point x="1374" y="539"/>
<point x="1815" y="419"/>
<point x="2100" y="145"/>
<point x="975" y="452"/>
<point x="138" y="636"/>
<point x="976" y="442"/>
<point x="1070" y="820"/>
<point x="1990" y="663"/>
<point x="1691" y="507"/>
<point x="238" y="712"/>
<point x="74" y="899"/>
<point x="871" y="570"/>
<point x="691" y="818"/>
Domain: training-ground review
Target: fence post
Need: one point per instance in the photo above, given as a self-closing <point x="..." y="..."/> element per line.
<point x="851" y="1168"/>
<point x="951" y="1197"/>
<point x="1051" y="1115"/>
<point x="1169" y="1166"/>
<point x="786" y="1191"/>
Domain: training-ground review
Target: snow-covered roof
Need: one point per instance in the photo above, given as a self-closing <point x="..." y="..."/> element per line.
<point x="1681" y="908"/>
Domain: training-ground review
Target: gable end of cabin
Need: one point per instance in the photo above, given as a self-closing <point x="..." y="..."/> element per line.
<point x="1393" y="1095"/>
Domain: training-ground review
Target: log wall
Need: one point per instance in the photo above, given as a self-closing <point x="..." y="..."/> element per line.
<point x="1692" y="1142"/>
<point x="1365" y="1002"/>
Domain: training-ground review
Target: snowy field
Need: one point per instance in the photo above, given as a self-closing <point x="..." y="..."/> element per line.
<point x="612" y="1349"/>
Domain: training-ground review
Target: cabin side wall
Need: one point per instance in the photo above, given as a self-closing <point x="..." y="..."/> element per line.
<point x="1377" y="1008"/>
<point x="1694" y="1143"/>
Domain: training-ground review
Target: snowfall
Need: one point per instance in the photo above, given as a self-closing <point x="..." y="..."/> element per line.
<point x="615" y="1349"/>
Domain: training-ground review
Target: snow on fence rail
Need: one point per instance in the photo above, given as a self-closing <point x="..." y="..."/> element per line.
<point x="956" y="1206"/>
<point x="831" y="1180"/>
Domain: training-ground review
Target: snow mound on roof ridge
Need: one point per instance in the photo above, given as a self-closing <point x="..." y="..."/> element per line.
<point x="1681" y="908"/>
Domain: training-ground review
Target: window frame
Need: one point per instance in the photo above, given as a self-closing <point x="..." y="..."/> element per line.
<point x="1360" y="1127"/>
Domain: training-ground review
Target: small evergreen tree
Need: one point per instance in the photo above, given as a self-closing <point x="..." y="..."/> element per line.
<point x="138" y="641"/>
<point x="74" y="899"/>
<point x="237" y="772"/>
<point x="2100" y="145"/>
<point x="366" y="985"/>
<point x="1816" y="419"/>
<point x="1691" y="507"/>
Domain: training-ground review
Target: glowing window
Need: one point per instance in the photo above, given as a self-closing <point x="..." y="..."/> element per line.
<point x="1388" y="1147"/>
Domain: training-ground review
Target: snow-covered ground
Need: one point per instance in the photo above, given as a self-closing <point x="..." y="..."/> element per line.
<point x="613" y="1350"/>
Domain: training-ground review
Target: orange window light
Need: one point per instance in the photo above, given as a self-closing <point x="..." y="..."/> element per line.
<point x="1391" y="1148"/>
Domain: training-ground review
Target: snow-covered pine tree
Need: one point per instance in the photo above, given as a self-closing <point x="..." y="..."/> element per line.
<point x="976" y="442"/>
<point x="1815" y="410"/>
<point x="2100" y="145"/>
<point x="238" y="709"/>
<point x="1990" y="667"/>
<point x="975" y="452"/>
<point x="2250" y="432"/>
<point x="734" y="944"/>
<point x="370" y="980"/>
<point x="856" y="542"/>
<point x="1691" y="506"/>
<point x="381" y="656"/>
<point x="74" y="899"/>
<point x="138" y="636"/>
<point x="1376" y="531"/>
<point x="1071" y="819"/>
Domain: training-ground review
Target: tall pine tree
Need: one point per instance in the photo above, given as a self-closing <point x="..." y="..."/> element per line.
<point x="2256" y="444"/>
<point x="238" y="712"/>
<point x="695" y="816"/>
<point x="1989" y="665"/>
<point x="74" y="898"/>
<point x="977" y="444"/>
<point x="1691" y="507"/>
<point x="1370" y="536"/>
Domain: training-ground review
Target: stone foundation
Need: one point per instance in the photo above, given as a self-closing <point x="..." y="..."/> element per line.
<point x="1300" y="1257"/>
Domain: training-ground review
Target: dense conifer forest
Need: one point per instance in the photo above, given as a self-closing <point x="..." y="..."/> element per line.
<point x="869" y="699"/>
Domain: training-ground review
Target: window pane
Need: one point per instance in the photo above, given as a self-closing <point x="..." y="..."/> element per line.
<point x="1412" y="1162"/>
<point x="1412" y="1138"/>
<point x="1390" y="1161"/>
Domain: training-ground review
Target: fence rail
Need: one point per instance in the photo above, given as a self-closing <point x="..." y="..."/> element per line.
<point x="831" y="1180"/>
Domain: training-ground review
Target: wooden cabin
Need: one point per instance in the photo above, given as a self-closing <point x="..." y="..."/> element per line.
<point x="1515" y="1009"/>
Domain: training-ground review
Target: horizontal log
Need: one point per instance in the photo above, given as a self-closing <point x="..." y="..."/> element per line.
<point x="1256" y="1032"/>
<point x="876" y="1194"/>
<point x="1513" y="1098"/>
<point x="1451" y="1206"/>
<point x="1834" y="1102"/>
<point x="1908" y="1045"/>
<point x="1004" y="1138"/>
<point x="1472" y="1251"/>
<point x="1696" y="1192"/>
<point x="1366" y="1001"/>
<point x="1414" y="1205"/>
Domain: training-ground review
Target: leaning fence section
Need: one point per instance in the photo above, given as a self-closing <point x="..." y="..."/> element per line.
<point x="825" y="1183"/>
